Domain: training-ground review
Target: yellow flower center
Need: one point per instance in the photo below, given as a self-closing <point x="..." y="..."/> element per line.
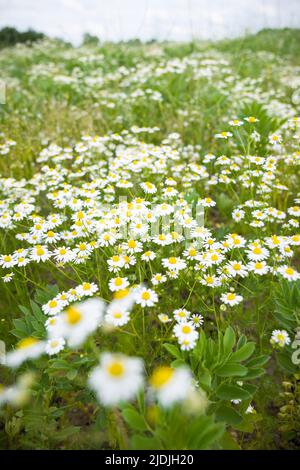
<point x="186" y="329"/>
<point x="161" y="376"/>
<point x="52" y="304"/>
<point x="289" y="271"/>
<point x="116" y="369"/>
<point x="131" y="244"/>
<point x="73" y="315"/>
<point x="121" y="294"/>
<point x="145" y="295"/>
<point x="118" y="281"/>
<point x="231" y="296"/>
<point x="27" y="342"/>
<point x="117" y="315"/>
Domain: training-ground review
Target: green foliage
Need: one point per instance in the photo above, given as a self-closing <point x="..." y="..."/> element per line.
<point x="10" y="36"/>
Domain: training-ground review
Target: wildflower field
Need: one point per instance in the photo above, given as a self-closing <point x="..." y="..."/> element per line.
<point x="149" y="229"/>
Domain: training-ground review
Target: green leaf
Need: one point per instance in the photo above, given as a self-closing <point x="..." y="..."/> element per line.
<point x="173" y="350"/>
<point x="134" y="419"/>
<point x="255" y="372"/>
<point x="232" y="392"/>
<point x="228" y="340"/>
<point x="178" y="363"/>
<point x="71" y="374"/>
<point x="258" y="361"/>
<point x="243" y="353"/>
<point x="229" y="415"/>
<point x="231" y="370"/>
<point x="228" y="442"/>
<point x="285" y="362"/>
<point x="145" y="443"/>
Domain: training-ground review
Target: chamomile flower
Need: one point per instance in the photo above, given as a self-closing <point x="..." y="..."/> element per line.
<point x="80" y="320"/>
<point x="146" y="297"/>
<point x="251" y="119"/>
<point x="275" y="139"/>
<point x="54" y="346"/>
<point x="258" y="267"/>
<point x="40" y="253"/>
<point x="223" y="135"/>
<point x="181" y="314"/>
<point x="236" y="268"/>
<point x="185" y="330"/>
<point x="117" y="379"/>
<point x="8" y="277"/>
<point x="86" y="289"/>
<point x="170" y="385"/>
<point x="164" y="318"/>
<point x="148" y="256"/>
<point x="27" y="348"/>
<point x="289" y="273"/>
<point x="231" y="299"/>
<point x="173" y="263"/>
<point x="280" y="338"/>
<point x="53" y="307"/>
<point x="63" y="255"/>
<point x="118" y="283"/>
<point x="115" y="316"/>
<point x="158" y="278"/>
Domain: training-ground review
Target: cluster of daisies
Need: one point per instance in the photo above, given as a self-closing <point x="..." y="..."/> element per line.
<point x="124" y="203"/>
<point x="121" y="209"/>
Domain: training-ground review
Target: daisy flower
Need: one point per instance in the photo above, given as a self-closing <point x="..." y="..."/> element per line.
<point x="260" y="267"/>
<point x="40" y="253"/>
<point x="164" y="318"/>
<point x="181" y="314"/>
<point x="86" y="288"/>
<point x="251" y="119"/>
<point x="148" y="256"/>
<point x="223" y="135"/>
<point x="63" y="254"/>
<point x="118" y="283"/>
<point x="174" y="263"/>
<point x="146" y="297"/>
<point x="280" y="337"/>
<point x="115" y="316"/>
<point x="27" y="348"/>
<point x="80" y="320"/>
<point x="117" y="379"/>
<point x="170" y="385"/>
<point x="158" y="278"/>
<point x="289" y="273"/>
<point x="54" y="346"/>
<point x="185" y="330"/>
<point x="53" y="307"/>
<point x="231" y="299"/>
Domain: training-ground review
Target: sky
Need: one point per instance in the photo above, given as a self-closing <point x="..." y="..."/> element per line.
<point x="179" y="20"/>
